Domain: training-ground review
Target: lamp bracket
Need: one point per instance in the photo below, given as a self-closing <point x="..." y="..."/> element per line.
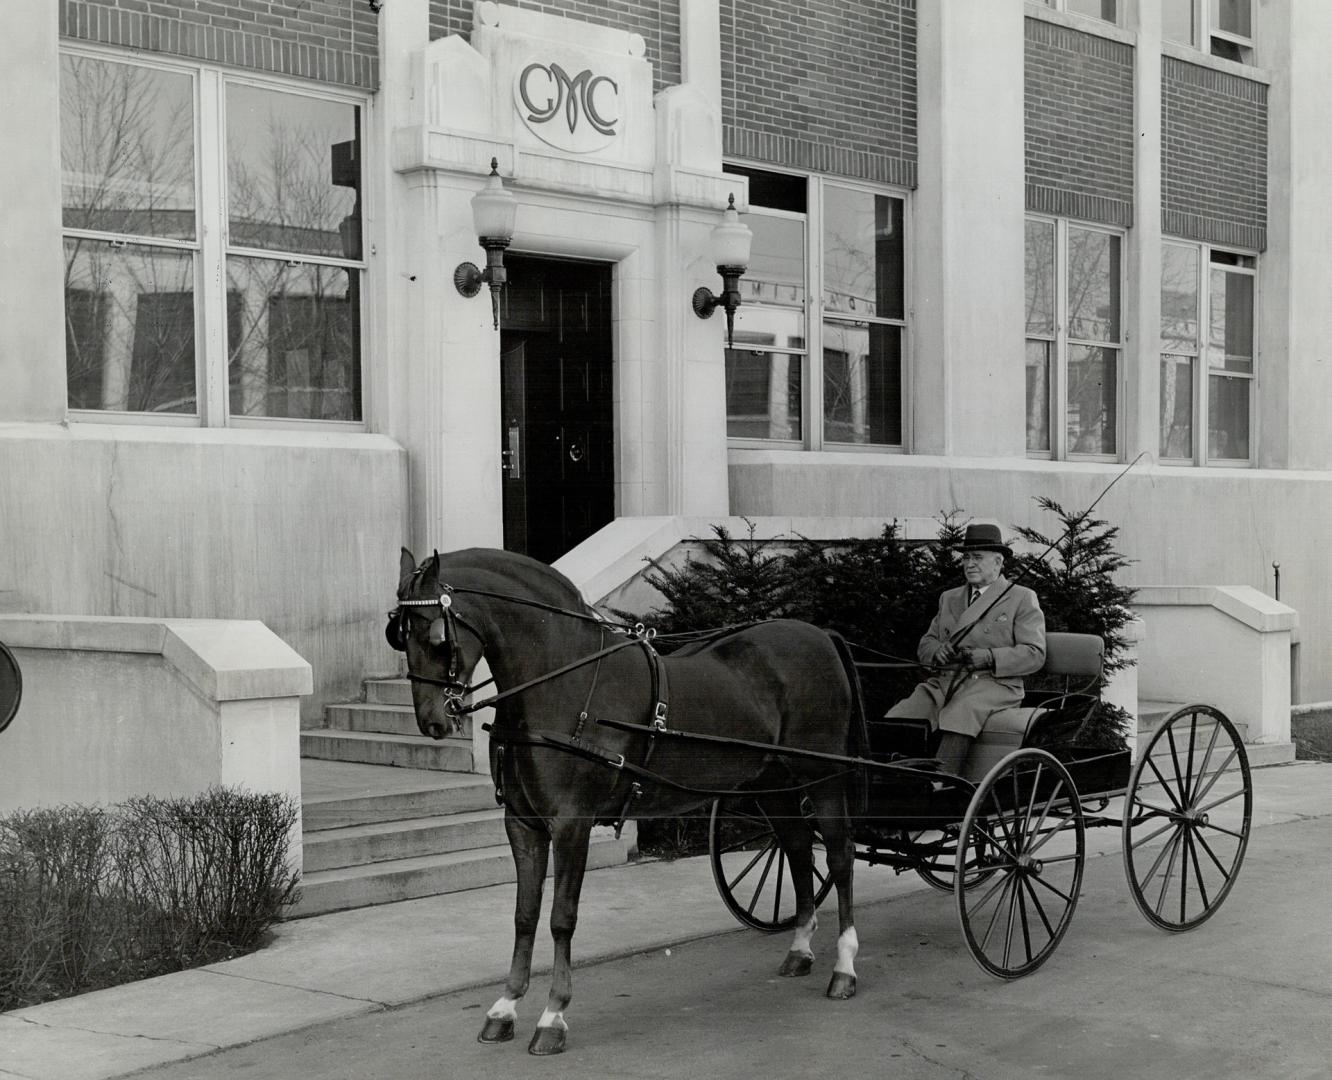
<point x="468" y="279"/>
<point x="704" y="302"/>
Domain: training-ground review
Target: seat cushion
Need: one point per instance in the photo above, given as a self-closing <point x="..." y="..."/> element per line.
<point x="1004" y="731"/>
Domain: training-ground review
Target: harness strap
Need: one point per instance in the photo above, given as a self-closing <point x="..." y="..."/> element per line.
<point x="573" y="665"/>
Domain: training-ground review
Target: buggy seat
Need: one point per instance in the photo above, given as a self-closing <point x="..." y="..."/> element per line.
<point x="1071" y="676"/>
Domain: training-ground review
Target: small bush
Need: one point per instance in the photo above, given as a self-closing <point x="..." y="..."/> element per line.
<point x="96" y="897"/>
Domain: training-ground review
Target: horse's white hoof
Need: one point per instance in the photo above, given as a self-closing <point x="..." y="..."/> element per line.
<point x="547" y="1040"/>
<point x="496" y="1029"/>
<point x="842" y="986"/>
<point x="795" y="964"/>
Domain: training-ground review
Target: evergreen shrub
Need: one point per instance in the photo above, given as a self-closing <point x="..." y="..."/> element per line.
<point x="880" y="594"/>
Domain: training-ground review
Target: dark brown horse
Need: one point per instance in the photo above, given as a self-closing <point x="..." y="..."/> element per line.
<point x="574" y="743"/>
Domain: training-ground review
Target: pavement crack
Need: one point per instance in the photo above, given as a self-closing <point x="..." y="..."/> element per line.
<point x="297" y="986"/>
<point x="119" y="1034"/>
<point x="919" y="1053"/>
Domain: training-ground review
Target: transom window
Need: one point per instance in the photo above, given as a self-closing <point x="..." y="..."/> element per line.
<point x="1207" y="358"/>
<point x="833" y="352"/>
<point x="1108" y="10"/>
<point x="1222" y="27"/>
<point x="213" y="245"/>
<point x="1074" y="285"/>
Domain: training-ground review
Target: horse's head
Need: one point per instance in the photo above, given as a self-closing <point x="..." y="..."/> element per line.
<point x="442" y="648"/>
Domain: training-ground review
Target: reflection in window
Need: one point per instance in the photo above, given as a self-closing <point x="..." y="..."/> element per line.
<point x="763" y="394"/>
<point x="1038" y="396"/>
<point x="1227" y="419"/>
<point x="863" y="253"/>
<point x="1177" y="407"/>
<point x="129" y="327"/>
<point x="862" y="383"/>
<point x="292" y="347"/>
<point x="1091" y="400"/>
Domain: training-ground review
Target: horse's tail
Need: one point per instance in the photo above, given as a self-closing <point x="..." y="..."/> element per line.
<point x="857" y="736"/>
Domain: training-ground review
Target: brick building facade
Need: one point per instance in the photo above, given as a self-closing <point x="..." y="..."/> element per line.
<point x="1001" y="249"/>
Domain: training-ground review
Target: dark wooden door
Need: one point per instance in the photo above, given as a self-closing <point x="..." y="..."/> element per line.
<point x="557" y="428"/>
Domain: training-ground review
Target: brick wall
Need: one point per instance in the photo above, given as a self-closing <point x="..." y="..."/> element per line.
<point x="331" y="41"/>
<point x="658" y="21"/>
<point x="1079" y="124"/>
<point x="824" y="85"/>
<point x="1213" y="155"/>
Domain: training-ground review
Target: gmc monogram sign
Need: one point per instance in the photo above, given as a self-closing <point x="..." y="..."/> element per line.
<point x="575" y="113"/>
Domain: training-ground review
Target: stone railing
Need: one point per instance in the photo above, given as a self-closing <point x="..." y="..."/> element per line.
<point x="118" y="707"/>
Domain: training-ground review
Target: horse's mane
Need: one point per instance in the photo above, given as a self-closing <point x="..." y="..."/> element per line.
<point x="553" y="586"/>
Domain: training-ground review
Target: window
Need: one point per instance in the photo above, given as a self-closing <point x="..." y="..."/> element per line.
<point x="1107" y="10"/>
<point x="212" y="239"/>
<point x="1222" y="27"/>
<point x="1211" y="317"/>
<point x="837" y="358"/>
<point x="1074" y="339"/>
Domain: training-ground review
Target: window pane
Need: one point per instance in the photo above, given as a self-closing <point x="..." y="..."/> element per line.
<point x="863" y="253"/>
<point x="776" y="271"/>
<point x="1038" y="396"/>
<point x="1091" y="400"/>
<point x="1177" y="21"/>
<point x="1230" y="336"/>
<point x="1227" y="418"/>
<point x="1233" y="17"/>
<point x="762" y="395"/>
<point x="862" y="383"/>
<point x="293" y="173"/>
<point x="126" y="149"/>
<point x="129" y="327"/>
<point x="1179" y="297"/>
<point x="1040" y="277"/>
<point x="293" y="340"/>
<point x="1177" y="407"/>
<point x="1100" y="9"/>
<point x="1093" y="285"/>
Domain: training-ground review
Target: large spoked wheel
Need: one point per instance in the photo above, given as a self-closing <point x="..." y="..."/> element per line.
<point x="1186" y="818"/>
<point x="937" y="868"/>
<point x="750" y="868"/>
<point x="1025" y="825"/>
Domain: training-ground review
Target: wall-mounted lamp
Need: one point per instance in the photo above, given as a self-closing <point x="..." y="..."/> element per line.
<point x="375" y="5"/>
<point x="729" y="245"/>
<point x="493" y="211"/>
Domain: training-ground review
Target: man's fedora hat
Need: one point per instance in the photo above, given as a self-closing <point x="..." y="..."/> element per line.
<point x="982" y="536"/>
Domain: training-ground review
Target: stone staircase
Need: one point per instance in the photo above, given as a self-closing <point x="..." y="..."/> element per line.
<point x="1152" y="713"/>
<point x="388" y="814"/>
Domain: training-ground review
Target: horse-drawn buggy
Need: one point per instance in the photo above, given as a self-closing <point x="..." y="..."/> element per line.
<point x="775" y="726"/>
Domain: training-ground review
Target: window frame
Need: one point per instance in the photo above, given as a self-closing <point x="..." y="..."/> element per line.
<point x="813" y="312"/>
<point x="1205" y="19"/>
<point x="1061" y="343"/>
<point x="1202" y="370"/>
<point x="1062" y="7"/>
<point x="210" y="248"/>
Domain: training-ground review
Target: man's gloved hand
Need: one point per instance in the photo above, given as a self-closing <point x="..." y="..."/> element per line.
<point x="976" y="659"/>
<point x="948" y="654"/>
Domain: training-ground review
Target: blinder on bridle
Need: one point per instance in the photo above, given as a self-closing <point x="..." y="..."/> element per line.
<point x="443" y="633"/>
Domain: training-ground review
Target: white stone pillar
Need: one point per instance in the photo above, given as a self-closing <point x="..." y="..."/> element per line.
<point x="1142" y="376"/>
<point x="32" y="299"/>
<point x="967" y="388"/>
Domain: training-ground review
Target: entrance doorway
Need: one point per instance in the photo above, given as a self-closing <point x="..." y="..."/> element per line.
<point x="557" y="426"/>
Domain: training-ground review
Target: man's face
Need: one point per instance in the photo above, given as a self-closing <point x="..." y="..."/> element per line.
<point x="981" y="567"/>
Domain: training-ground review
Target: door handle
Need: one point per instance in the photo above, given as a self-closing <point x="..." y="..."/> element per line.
<point x="512" y="456"/>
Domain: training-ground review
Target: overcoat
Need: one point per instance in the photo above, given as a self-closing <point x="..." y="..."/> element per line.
<point x="1012" y="627"/>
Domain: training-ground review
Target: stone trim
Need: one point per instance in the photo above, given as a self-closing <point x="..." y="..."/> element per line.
<point x="1073" y="204"/>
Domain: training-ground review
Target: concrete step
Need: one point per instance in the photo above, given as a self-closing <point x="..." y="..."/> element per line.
<point x="386" y="719"/>
<point x="337" y="794"/>
<point x="377" y="748"/>
<point x="388" y="691"/>
<point x="385" y="841"/>
<point x="1151" y="714"/>
<point x="405" y="879"/>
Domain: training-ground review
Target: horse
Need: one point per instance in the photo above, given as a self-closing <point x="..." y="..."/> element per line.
<point x="594" y="725"/>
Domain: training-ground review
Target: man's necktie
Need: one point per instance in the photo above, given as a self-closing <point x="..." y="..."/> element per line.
<point x="975" y="595"/>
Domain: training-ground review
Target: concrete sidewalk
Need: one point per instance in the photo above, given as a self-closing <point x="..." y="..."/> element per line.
<point x="356" y="962"/>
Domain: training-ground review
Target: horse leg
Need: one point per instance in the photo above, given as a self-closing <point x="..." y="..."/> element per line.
<point x="831" y="811"/>
<point x="531" y="852"/>
<point x="797" y="842"/>
<point x="571" y="837"/>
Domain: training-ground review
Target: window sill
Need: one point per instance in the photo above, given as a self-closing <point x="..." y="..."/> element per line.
<point x="322" y="437"/>
<point x="1086" y="24"/>
<point x="1187" y="54"/>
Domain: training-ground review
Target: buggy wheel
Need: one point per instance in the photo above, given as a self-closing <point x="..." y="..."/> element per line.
<point x="751" y="870"/>
<point x="937" y="868"/>
<point x="1191" y="795"/>
<point x="1025" y="827"/>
